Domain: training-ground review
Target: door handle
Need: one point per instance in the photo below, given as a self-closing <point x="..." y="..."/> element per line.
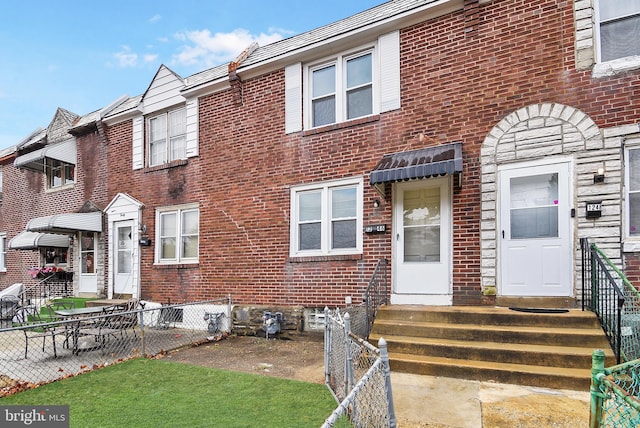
<point x="503" y="234"/>
<point x="397" y="236"/>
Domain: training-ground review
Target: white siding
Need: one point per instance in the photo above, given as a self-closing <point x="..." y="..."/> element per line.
<point x="192" y="127"/>
<point x="293" y="98"/>
<point x="389" y="54"/>
<point x="163" y="92"/>
<point x="137" y="145"/>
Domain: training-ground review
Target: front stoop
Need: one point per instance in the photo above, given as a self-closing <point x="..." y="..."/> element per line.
<point x="551" y="350"/>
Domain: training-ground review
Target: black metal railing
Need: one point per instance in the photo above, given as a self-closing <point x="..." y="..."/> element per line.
<point x="376" y="293"/>
<point x="58" y="284"/>
<point x="601" y="293"/>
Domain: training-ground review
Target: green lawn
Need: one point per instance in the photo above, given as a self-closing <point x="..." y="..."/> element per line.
<point x="156" y="393"/>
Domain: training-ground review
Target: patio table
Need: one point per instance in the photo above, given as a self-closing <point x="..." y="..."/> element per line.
<point x="79" y="312"/>
<point x="74" y="328"/>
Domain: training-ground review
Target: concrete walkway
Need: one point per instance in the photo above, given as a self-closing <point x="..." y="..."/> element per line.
<point x="427" y="401"/>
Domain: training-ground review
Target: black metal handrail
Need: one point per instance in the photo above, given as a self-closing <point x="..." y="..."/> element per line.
<point x="376" y="293"/>
<point x="601" y="293"/>
<point x="53" y="285"/>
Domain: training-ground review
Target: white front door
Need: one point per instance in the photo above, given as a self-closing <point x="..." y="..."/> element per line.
<point x="422" y="242"/>
<point x="123" y="258"/>
<point x="88" y="282"/>
<point x="534" y="232"/>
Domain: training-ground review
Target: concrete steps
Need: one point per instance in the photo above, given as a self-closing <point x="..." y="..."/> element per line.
<point x="493" y="344"/>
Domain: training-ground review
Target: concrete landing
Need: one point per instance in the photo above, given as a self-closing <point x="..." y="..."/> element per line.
<point x="430" y="401"/>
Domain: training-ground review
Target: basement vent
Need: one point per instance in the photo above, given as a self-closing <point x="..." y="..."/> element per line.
<point x="314" y="319"/>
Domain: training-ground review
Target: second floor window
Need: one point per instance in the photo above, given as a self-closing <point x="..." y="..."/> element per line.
<point x="59" y="173"/>
<point x="167" y="137"/>
<point x="619" y="27"/>
<point x="341" y="89"/>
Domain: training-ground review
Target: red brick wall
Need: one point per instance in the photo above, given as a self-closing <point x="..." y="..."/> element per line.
<point x="454" y="88"/>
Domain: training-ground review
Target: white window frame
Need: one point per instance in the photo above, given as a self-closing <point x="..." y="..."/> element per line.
<point x="3" y="252"/>
<point x="631" y="61"/>
<point x="339" y="62"/>
<point x="629" y="238"/>
<point x="325" y="242"/>
<point x="178" y="210"/>
<point x="170" y="137"/>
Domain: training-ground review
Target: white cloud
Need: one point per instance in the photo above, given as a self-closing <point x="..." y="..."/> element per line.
<point x="205" y="49"/>
<point x="150" y="57"/>
<point x="155" y="18"/>
<point x="126" y="58"/>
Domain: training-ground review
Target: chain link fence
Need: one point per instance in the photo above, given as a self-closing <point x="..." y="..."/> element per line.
<point x="357" y="373"/>
<point x="615" y="394"/>
<point x="35" y="348"/>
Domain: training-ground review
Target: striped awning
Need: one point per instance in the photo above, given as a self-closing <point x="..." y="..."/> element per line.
<point x="26" y="240"/>
<point x="64" y="152"/>
<point x="417" y="164"/>
<point x="67" y="223"/>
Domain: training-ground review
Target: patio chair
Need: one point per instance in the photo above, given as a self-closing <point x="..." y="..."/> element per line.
<point x="8" y="307"/>
<point x="129" y="318"/>
<point x="33" y="327"/>
<point x="50" y="311"/>
<point x="101" y="328"/>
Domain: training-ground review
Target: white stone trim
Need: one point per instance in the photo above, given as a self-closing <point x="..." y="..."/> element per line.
<point x="545" y="131"/>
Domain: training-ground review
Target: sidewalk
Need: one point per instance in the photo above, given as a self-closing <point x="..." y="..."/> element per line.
<point x="427" y="401"/>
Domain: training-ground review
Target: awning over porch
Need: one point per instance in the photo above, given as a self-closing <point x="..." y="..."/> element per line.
<point x="416" y="164"/>
<point x="26" y="240"/>
<point x="64" y="152"/>
<point x="67" y="223"/>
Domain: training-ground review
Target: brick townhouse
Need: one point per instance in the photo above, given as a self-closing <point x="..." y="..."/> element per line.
<point x="462" y="141"/>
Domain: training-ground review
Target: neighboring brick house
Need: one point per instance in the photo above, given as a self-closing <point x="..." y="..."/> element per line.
<point x="459" y="140"/>
<point x="51" y="212"/>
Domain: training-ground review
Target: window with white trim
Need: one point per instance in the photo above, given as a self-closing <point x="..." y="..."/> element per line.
<point x="59" y="174"/>
<point x="167" y="135"/>
<point x="618" y="26"/>
<point x="177" y="234"/>
<point x="632" y="190"/>
<point x="341" y="89"/>
<point x="326" y="218"/>
<point x="3" y="252"/>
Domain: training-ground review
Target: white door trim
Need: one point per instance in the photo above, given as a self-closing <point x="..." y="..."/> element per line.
<point x="441" y="295"/>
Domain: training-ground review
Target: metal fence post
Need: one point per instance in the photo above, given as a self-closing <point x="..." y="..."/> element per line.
<point x="348" y="368"/>
<point x="229" y="312"/>
<point x="327" y="345"/>
<point x="597" y="367"/>
<point x="384" y="356"/>
<point x="142" y="329"/>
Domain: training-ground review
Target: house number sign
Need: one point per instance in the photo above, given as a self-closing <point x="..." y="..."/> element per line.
<point x="375" y="228"/>
<point x="594" y="209"/>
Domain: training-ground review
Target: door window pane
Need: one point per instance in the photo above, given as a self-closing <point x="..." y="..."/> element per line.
<point x="124" y="249"/>
<point x="421" y="217"/>
<point x="534" y="206"/>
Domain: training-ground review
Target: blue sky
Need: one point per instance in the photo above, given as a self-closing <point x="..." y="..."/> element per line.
<point x="82" y="56"/>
